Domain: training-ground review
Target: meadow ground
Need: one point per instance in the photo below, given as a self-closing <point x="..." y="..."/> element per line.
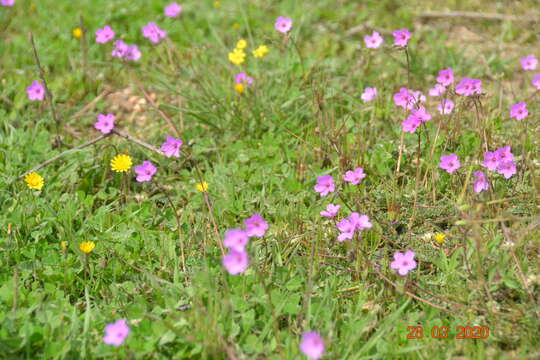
<point x="89" y="246"/>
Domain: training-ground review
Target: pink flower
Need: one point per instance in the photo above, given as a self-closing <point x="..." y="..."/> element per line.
<point x="354" y="176"/>
<point x="347" y="228"/>
<point x="125" y="51"/>
<point x="373" y="41"/>
<point x="450" y="163"/>
<point x="437" y="90"/>
<point x="173" y="10"/>
<point x="407" y="99"/>
<point x="360" y="222"/>
<point x="468" y="87"/>
<point x="105" y="123"/>
<point x="529" y="62"/>
<point x="490" y="160"/>
<point x="504" y="154"/>
<point x="403" y="263"/>
<point x="133" y="53"/>
<point x="116" y="332"/>
<point x="312" y="345"/>
<point x="325" y="185"/>
<point x="507" y="169"/>
<point x="421" y="114"/>
<point x="536" y="81"/>
<point x="446" y="77"/>
<point x="104" y="35"/>
<point x="145" y="171"/>
<point x="243" y="78"/>
<point x="236" y="239"/>
<point x="171" y="147"/>
<point x="36" y="91"/>
<point x="283" y="24"/>
<point x="152" y="32"/>
<point x="519" y="111"/>
<point x="481" y="183"/>
<point x="446" y="107"/>
<point x="411" y="124"/>
<point x="236" y="262"/>
<point x="256" y="226"/>
<point x="401" y="37"/>
<point x="331" y="210"/>
<point x="369" y="94"/>
<point x="7" y="2"/>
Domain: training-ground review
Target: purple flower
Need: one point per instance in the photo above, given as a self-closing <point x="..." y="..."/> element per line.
<point x="373" y="41"/>
<point x="152" y="32"/>
<point x="446" y="107"/>
<point x="283" y="24"/>
<point x="446" y="77"/>
<point x="104" y="35"/>
<point x="105" y="123"/>
<point x="133" y="53"/>
<point x="401" y="37"/>
<point x="36" y="91"/>
<point x="369" y="94"/>
<point x="421" y="114"/>
<point x="256" y="226"/>
<point x="171" y="147"/>
<point x="243" y="78"/>
<point x="120" y="49"/>
<point x="7" y="2"/>
<point x="490" y="160"/>
<point x="312" y="345"/>
<point x="236" y="239"/>
<point x="407" y="99"/>
<point x="519" y="111"/>
<point x="507" y="168"/>
<point x="354" y="176"/>
<point x="529" y="62"/>
<point x="450" y="163"/>
<point x="437" y="90"/>
<point x="116" y="332"/>
<point x="173" y="10"/>
<point x="145" y="171"/>
<point x="236" y="262"/>
<point x="331" y="210"/>
<point x="403" y="263"/>
<point x="481" y="183"/>
<point x="325" y="185"/>
<point x="536" y="81"/>
<point x="411" y="123"/>
<point x="347" y="228"/>
<point x="360" y="222"/>
<point x="504" y="154"/>
<point x="468" y="87"/>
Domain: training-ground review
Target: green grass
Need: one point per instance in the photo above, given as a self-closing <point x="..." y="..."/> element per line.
<point x="261" y="152"/>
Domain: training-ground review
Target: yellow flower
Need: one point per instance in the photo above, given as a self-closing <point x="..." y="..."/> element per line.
<point x="236" y="26"/>
<point x="202" y="187"/>
<point x="241" y="44"/>
<point x="217" y="4"/>
<point x="34" y="181"/>
<point x="63" y="244"/>
<point x="121" y="163"/>
<point x="239" y="88"/>
<point x="439" y="238"/>
<point x="237" y="57"/>
<point x="77" y="33"/>
<point x="261" y="51"/>
<point x="87" y="246"/>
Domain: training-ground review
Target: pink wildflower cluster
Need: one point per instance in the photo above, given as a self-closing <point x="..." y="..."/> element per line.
<point x="501" y="161"/>
<point x="349" y="225"/>
<point x="403" y="262"/>
<point x="236" y="240"/>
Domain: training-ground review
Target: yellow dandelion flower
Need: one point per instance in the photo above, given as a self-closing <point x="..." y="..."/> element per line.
<point x="63" y="244"/>
<point x="77" y="33"/>
<point x="202" y="187"/>
<point x="34" y="181"/>
<point x="241" y="44"/>
<point x="261" y="51"/>
<point x="121" y="163"/>
<point x="439" y="238"/>
<point x="87" y="246"/>
<point x="237" y="56"/>
<point x="217" y="4"/>
<point x="239" y="88"/>
<point x="236" y="26"/>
